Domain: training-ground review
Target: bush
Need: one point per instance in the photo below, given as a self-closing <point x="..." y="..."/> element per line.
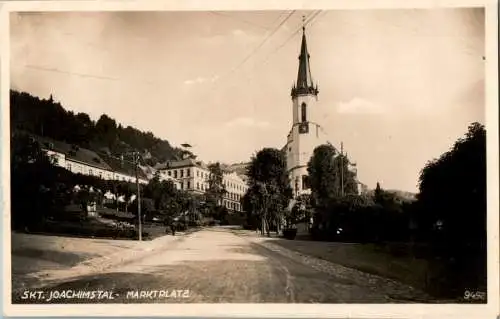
<point x="247" y="226"/>
<point x="181" y="227"/>
<point x="290" y="233"/>
<point x="89" y="230"/>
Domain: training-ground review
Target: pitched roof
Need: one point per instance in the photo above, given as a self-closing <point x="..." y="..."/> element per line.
<point x="124" y="167"/>
<point x="304" y="78"/>
<point x="304" y="83"/>
<point x="88" y="157"/>
<point x="188" y="162"/>
<point x="72" y="152"/>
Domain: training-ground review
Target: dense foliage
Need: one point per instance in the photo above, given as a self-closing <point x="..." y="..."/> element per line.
<point x="447" y="221"/>
<point x="269" y="189"/>
<point x="329" y="176"/>
<point x="50" y="188"/>
<point x="453" y="191"/>
<point x="48" y="118"/>
<point x="452" y="208"/>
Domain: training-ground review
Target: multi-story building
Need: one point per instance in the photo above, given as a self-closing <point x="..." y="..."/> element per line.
<point x="236" y="187"/>
<point x="80" y="160"/>
<point x="194" y="175"/>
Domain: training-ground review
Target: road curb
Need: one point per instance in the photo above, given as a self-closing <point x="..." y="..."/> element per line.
<point x="139" y="253"/>
<point x="104" y="263"/>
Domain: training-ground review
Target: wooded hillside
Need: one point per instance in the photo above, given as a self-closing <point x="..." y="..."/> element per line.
<point x="46" y="117"/>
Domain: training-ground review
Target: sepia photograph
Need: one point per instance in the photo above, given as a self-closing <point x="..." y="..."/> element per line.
<point x="267" y="156"/>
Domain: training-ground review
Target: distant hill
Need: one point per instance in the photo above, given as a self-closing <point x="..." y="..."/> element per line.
<point x="402" y="195"/>
<point x="409" y="196"/>
<point x="238" y="168"/>
<point x="46" y="117"/>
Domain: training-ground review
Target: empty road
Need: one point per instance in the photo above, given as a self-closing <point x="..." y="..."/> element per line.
<point x="224" y="265"/>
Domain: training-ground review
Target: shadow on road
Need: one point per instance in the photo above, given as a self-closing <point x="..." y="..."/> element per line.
<point x="68" y="259"/>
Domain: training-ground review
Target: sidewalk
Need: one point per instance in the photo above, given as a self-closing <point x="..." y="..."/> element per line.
<point x="90" y="256"/>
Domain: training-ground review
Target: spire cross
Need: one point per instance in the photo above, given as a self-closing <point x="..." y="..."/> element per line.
<point x="303" y="22"/>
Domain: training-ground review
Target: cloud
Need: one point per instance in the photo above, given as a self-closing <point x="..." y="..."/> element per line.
<point x="200" y="80"/>
<point x="246" y="122"/>
<point x="238" y="33"/>
<point x="359" y="106"/>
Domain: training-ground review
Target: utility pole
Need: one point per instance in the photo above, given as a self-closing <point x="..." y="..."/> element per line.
<point x="342" y="169"/>
<point x="136" y="163"/>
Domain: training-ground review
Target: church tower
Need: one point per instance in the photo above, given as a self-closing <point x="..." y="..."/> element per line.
<point x="306" y="132"/>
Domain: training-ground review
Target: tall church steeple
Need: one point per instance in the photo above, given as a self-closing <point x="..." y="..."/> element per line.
<point x="304" y="83"/>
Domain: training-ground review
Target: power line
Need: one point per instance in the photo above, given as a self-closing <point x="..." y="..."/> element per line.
<point x="261" y="44"/>
<point x="233" y="70"/>
<point x="308" y="21"/>
<point x="241" y="20"/>
<point x="85" y="75"/>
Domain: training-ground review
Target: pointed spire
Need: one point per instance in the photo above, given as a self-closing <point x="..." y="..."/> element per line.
<point x="305" y="83"/>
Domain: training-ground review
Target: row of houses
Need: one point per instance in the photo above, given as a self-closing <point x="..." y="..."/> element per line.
<point x="79" y="160"/>
<point x="187" y="174"/>
<point x="193" y="176"/>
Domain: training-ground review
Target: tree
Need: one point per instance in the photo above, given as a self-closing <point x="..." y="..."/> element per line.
<point x="323" y="175"/>
<point x="269" y="187"/>
<point x="453" y="190"/>
<point x="329" y="177"/>
<point x="106" y="129"/>
<point x="452" y="207"/>
<point x="33" y="177"/>
<point x="216" y="188"/>
<point x="127" y="190"/>
<point x="47" y="117"/>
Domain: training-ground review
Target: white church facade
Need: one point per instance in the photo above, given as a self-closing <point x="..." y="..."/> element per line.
<point x="306" y="132"/>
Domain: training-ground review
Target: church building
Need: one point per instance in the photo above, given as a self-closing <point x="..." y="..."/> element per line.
<point x="306" y="132"/>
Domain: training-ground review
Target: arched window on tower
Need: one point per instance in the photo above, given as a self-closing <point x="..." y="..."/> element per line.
<point x="303" y="111"/>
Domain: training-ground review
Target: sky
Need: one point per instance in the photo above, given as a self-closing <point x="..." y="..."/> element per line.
<point x="397" y="87"/>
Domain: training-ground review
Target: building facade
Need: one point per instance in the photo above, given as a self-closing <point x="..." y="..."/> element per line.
<point x="83" y="161"/>
<point x="306" y="132"/>
<point x="193" y="176"/>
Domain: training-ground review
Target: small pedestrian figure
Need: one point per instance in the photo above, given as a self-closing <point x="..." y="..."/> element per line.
<point x="172" y="228"/>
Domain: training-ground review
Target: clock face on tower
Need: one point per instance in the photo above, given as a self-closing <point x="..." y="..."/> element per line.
<point x="304" y="128"/>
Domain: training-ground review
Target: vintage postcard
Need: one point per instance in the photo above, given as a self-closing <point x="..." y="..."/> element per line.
<point x="251" y="159"/>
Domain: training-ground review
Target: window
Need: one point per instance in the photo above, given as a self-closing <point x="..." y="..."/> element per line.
<point x="68" y="166"/>
<point x="90" y="172"/>
<point x="175" y="174"/>
<point x="197" y="185"/>
<point x="197" y="173"/>
<point x="100" y="174"/>
<point x="182" y="173"/>
<point x="188" y="185"/>
<point x="305" y="182"/>
<point x="169" y="173"/>
<point x="303" y="111"/>
<point x="188" y="172"/>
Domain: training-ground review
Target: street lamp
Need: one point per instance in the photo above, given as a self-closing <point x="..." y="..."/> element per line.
<point x="136" y="157"/>
<point x="187" y="148"/>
